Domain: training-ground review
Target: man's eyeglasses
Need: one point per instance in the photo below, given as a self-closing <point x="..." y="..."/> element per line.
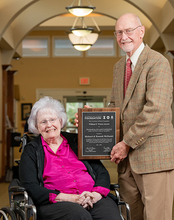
<point x="44" y="122"/>
<point x="128" y="31"/>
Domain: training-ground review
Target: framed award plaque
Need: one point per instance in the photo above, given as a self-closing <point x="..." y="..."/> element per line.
<point x="98" y="132"/>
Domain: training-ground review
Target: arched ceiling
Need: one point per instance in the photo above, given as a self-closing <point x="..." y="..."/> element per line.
<point x="19" y="17"/>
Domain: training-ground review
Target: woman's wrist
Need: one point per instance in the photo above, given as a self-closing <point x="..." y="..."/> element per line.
<point x="97" y="197"/>
<point x="68" y="197"/>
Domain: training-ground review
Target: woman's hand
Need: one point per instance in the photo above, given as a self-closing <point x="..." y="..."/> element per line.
<point x="87" y="198"/>
<point x="90" y="198"/>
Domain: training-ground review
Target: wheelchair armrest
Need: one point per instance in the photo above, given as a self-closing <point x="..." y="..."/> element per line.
<point x="114" y="186"/>
<point x="17" y="161"/>
<point x="16" y="189"/>
<point x="18" y="194"/>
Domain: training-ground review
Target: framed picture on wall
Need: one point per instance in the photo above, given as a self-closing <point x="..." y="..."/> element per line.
<point x="25" y="110"/>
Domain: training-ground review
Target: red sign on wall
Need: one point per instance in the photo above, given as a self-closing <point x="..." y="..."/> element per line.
<point x="84" y="81"/>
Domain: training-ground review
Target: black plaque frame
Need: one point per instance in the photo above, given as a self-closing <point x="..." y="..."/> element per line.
<point x="98" y="132"/>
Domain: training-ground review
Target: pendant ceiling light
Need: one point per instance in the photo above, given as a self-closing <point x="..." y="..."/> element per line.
<point x="83" y="43"/>
<point x="83" y="38"/>
<point x="82" y="47"/>
<point x="81" y="31"/>
<point x="80" y="10"/>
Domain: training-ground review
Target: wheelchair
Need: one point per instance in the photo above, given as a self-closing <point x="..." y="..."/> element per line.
<point x="22" y="206"/>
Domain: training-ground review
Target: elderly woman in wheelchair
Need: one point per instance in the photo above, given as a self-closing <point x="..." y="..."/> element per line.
<point x="61" y="186"/>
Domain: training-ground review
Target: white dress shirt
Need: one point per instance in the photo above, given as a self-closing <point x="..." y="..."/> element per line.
<point x="135" y="56"/>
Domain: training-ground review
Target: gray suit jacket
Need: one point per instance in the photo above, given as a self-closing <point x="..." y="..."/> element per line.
<point x="146" y="115"/>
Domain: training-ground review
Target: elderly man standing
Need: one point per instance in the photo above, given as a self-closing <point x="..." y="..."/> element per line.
<point x="145" y="153"/>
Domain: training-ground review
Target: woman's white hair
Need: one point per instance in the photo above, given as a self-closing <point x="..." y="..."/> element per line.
<point x="46" y="103"/>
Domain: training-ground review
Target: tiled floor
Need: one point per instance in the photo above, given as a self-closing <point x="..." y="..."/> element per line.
<point x="4" y="200"/>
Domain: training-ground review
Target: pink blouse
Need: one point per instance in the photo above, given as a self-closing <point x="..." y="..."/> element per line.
<point x="65" y="173"/>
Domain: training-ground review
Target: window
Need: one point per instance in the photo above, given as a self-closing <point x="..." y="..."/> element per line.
<point x="35" y="47"/>
<point x="64" y="47"/>
<point x="103" y="47"/>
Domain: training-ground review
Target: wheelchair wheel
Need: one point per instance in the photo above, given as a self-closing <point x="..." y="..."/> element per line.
<point x="6" y="213"/>
<point x="19" y="213"/>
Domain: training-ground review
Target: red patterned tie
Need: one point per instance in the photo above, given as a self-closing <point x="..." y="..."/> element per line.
<point x="128" y="74"/>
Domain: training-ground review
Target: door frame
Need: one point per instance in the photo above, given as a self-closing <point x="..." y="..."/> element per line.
<point x="59" y="94"/>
